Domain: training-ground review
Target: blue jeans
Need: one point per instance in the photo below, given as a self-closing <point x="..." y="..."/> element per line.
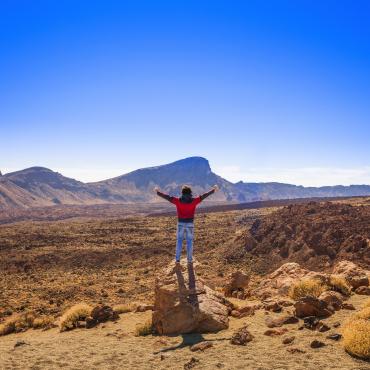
<point x="182" y="229"/>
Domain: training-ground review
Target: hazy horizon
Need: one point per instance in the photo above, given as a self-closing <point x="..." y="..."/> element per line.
<point x="273" y="91"/>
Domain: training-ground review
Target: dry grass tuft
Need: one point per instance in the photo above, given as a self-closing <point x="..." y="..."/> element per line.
<point x="367" y="303"/>
<point x="145" y="329"/>
<point x="306" y="287"/>
<point x="339" y="284"/>
<point x="356" y="337"/>
<point x="23" y="322"/>
<point x="124" y="308"/>
<point x="43" y="322"/>
<point x="76" y="313"/>
<point x="363" y="314"/>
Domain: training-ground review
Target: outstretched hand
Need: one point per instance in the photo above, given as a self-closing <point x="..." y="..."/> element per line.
<point x="215" y="188"/>
<point x="156" y="189"/>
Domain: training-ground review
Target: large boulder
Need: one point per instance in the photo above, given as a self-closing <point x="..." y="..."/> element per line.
<point x="184" y="304"/>
<point x="354" y="274"/>
<point x="279" y="282"/>
<point x="311" y="306"/>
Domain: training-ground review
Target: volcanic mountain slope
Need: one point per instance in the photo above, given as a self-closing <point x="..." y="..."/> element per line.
<point x="316" y="235"/>
<point x="38" y="187"/>
<point x="194" y="171"/>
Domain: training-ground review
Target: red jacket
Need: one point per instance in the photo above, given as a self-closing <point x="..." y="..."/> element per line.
<point x="185" y="205"/>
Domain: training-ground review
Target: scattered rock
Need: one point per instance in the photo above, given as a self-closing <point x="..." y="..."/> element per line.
<point x="288" y="340"/>
<point x="310" y="322"/>
<point x="333" y="299"/>
<point x="273" y="322"/>
<point x="363" y="290"/>
<point x="103" y="313"/>
<point x="355" y="275"/>
<point x="311" y="306"/>
<point x="20" y="343"/>
<point x="241" y="337"/>
<point x="317" y="344"/>
<point x="235" y="313"/>
<point x="184" y="304"/>
<point x="201" y="346"/>
<point x="334" y="336"/>
<point x="295" y="350"/>
<point x="272" y="305"/>
<point x="90" y="322"/>
<point x="336" y="324"/>
<point x="236" y="285"/>
<point x="248" y="310"/>
<point x="190" y="364"/>
<point x="313" y="323"/>
<point x="144" y="307"/>
<point x="348" y="306"/>
<point x="322" y="327"/>
<point x="275" y="332"/>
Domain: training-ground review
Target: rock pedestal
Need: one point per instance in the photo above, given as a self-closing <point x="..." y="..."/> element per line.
<point x="184" y="304"/>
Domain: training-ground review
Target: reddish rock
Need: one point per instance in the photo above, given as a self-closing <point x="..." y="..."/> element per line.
<point x="241" y="337"/>
<point x="273" y="322"/>
<point x="235" y="313"/>
<point x="288" y="340"/>
<point x="311" y="306"/>
<point x="201" y="346"/>
<point x="348" y="306"/>
<point x="103" y="313"/>
<point x="272" y="305"/>
<point x="363" y="290"/>
<point x="275" y="332"/>
<point x="333" y="299"/>
<point x="317" y="344"/>
<point x="248" y="310"/>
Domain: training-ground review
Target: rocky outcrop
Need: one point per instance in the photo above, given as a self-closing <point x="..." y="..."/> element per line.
<point x="354" y="275"/>
<point x="184" y="304"/>
<point x="279" y="282"/>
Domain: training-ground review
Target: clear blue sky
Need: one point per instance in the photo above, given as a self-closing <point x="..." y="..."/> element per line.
<point x="266" y="90"/>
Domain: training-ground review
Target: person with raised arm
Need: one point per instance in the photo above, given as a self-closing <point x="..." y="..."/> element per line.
<point x="186" y="205"/>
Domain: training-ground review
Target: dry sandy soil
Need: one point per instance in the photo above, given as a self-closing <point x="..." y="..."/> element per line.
<point x="115" y="346"/>
<point x="48" y="266"/>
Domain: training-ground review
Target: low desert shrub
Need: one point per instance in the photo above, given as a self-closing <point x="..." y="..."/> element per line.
<point x="145" y="329"/>
<point x="339" y="284"/>
<point x="356" y="337"/>
<point x="76" y="313"/>
<point x="124" y="308"/>
<point x="22" y="322"/>
<point x="306" y="287"/>
<point x="43" y="322"/>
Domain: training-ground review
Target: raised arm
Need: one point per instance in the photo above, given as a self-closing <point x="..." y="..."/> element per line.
<point x="205" y="195"/>
<point x="163" y="195"/>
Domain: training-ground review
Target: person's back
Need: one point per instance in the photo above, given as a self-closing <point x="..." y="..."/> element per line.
<point x="186" y="206"/>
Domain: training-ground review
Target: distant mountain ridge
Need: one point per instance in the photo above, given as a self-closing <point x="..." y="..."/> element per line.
<point x="39" y="187"/>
